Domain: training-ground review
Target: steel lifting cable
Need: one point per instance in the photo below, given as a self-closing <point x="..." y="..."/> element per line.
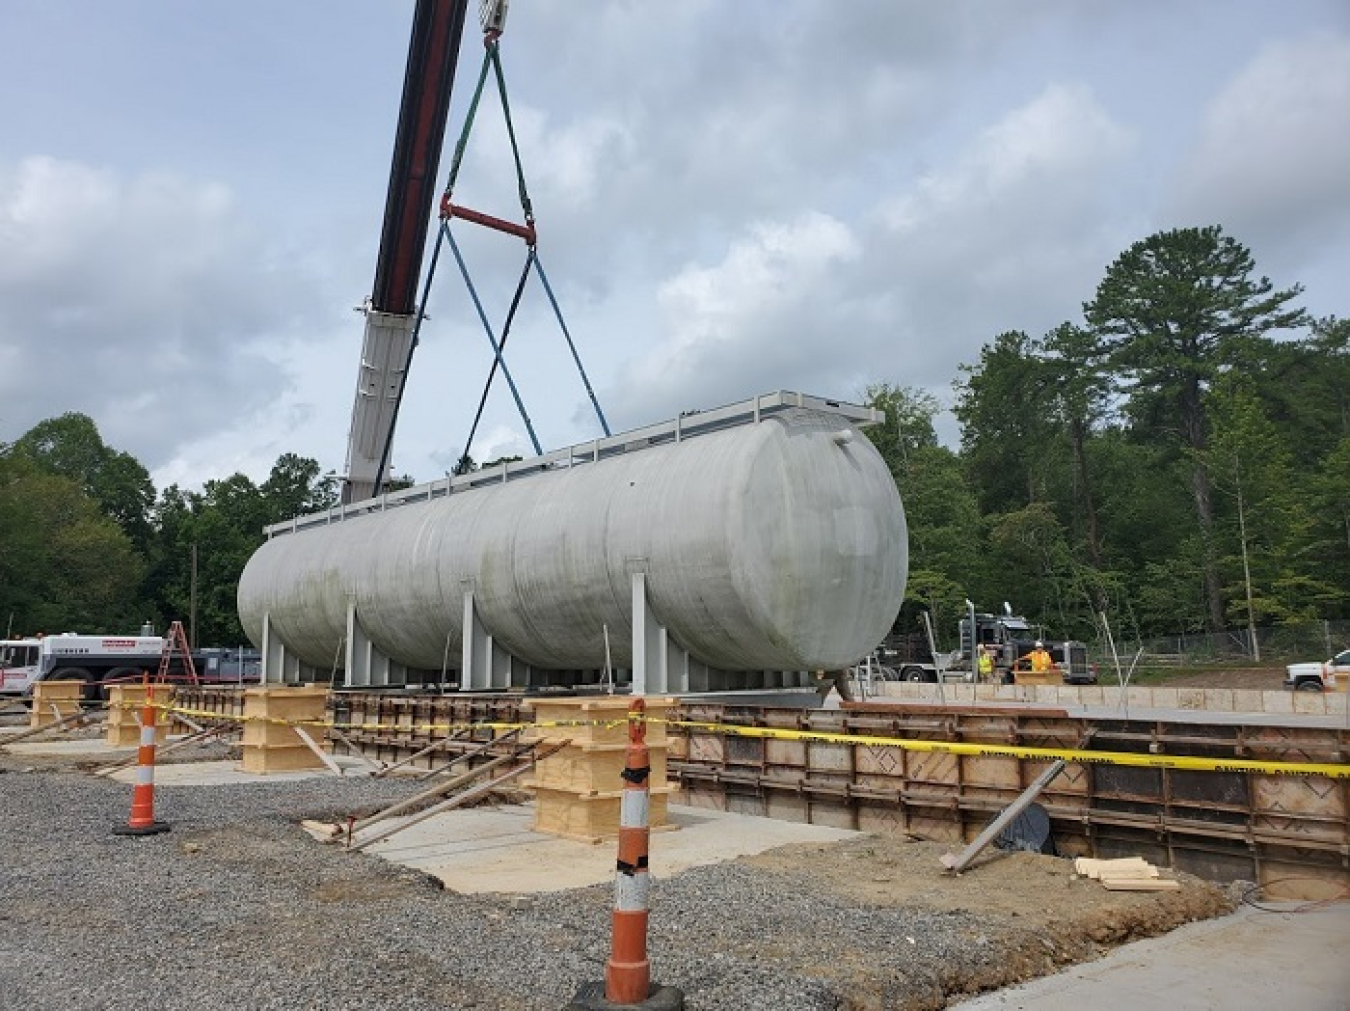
<point x="506" y="333"/>
<point x="492" y="59"/>
<point x="487" y="328"/>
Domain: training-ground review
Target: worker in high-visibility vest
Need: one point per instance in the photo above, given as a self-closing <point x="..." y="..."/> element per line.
<point x="1040" y="659"/>
<point x="986" y="663"/>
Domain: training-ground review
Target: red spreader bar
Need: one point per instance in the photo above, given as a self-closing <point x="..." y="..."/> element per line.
<point x="525" y="231"/>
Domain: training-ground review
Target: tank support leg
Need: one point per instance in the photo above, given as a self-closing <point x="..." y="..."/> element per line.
<point x="365" y="665"/>
<point x="279" y="665"/>
<point x="484" y="663"/>
<point x="660" y="665"/>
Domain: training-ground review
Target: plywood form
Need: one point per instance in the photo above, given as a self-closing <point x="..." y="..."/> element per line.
<point x="63" y="695"/>
<point x="275" y="747"/>
<point x="590" y="819"/>
<point x="272" y="758"/>
<point x="577" y="789"/>
<point x="590" y="769"/>
<point x="1182" y="818"/>
<point x="125" y="703"/>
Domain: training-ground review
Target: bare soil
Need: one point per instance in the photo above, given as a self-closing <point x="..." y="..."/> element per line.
<point x="1255" y="678"/>
<point x="1039" y="914"/>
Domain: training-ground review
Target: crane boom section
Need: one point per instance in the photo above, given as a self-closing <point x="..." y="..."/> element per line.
<point x="432" y="55"/>
<point x="391" y="319"/>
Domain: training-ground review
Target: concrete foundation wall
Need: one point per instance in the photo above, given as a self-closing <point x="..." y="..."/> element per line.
<point x="1216" y="700"/>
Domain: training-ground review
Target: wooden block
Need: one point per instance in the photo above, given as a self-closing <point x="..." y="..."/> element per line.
<point x="274" y="759"/>
<point x="1129" y="867"/>
<point x="590" y="819"/>
<point x="1140" y="885"/>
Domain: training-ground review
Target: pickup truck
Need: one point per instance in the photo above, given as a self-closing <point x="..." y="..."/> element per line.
<point x="1317" y="677"/>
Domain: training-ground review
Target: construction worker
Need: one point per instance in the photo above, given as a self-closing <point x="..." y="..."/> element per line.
<point x="986" y="663"/>
<point x="1040" y="659"/>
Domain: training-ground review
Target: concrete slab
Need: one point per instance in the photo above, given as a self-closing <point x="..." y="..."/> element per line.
<point x="94" y="747"/>
<point x="494" y="849"/>
<point x="230" y="773"/>
<point x="1250" y="961"/>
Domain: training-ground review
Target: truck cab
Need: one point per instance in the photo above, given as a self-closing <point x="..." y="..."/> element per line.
<point x="20" y="663"/>
<point x="1317" y="677"/>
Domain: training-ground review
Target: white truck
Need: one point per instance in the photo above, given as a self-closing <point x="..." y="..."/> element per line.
<point x="1317" y="677"/>
<point x="108" y="659"/>
<point x="94" y="659"/>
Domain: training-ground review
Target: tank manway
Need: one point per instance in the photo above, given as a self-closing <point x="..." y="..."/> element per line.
<point x="763" y="536"/>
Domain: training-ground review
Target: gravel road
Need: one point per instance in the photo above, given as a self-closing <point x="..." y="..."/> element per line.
<point x="236" y="907"/>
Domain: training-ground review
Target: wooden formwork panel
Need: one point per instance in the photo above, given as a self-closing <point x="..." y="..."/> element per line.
<point x="880" y="817"/>
<point x="993" y="772"/>
<point x="994" y="729"/>
<point x="830" y="758"/>
<point x="705" y="796"/>
<point x="828" y="721"/>
<point x="1293" y="875"/>
<point x="125" y="707"/>
<point x="1310" y="807"/>
<point x="593" y="768"/>
<point x="744" y="751"/>
<point x="1049" y="732"/>
<point x="745" y="802"/>
<point x="935" y="824"/>
<point x="1297" y="744"/>
<point x="54" y="701"/>
<point x="590" y="819"/>
<point x="707" y="749"/>
<point x="991" y="782"/>
<point x="786" y="754"/>
<point x="1211" y="823"/>
<point x="877" y="761"/>
<point x="834" y="814"/>
<point x="275" y="758"/>
<point x="933" y="767"/>
<point x="785" y="805"/>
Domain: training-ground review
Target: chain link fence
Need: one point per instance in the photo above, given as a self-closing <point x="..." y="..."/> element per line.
<point x="1313" y="640"/>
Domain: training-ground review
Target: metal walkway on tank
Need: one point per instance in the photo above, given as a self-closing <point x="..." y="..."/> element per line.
<point x="687" y="426"/>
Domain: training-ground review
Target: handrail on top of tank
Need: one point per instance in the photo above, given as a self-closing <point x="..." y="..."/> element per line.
<point x="687" y="425"/>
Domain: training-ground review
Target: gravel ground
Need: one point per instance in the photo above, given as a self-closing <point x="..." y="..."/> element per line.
<point x="236" y="907"/>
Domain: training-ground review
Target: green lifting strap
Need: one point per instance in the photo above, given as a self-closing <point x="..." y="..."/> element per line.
<point x="491" y="58"/>
<point x="493" y="50"/>
<point x="463" y="141"/>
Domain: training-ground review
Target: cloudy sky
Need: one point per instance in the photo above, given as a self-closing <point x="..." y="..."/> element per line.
<point x="732" y="198"/>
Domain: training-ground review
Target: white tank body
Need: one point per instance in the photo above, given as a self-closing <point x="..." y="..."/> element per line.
<point x="779" y="545"/>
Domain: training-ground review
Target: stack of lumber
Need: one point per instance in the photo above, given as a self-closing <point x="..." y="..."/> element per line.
<point x="1128" y="874"/>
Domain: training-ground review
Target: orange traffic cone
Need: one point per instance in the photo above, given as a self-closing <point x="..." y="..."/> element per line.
<point x="142" y="820"/>
<point x="628" y="973"/>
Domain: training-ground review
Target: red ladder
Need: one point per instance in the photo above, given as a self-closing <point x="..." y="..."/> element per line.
<point x="176" y="641"/>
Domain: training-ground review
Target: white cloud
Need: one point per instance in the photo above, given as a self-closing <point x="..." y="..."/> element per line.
<point x="739" y="327"/>
<point x="1272" y="162"/>
<point x="142" y="301"/>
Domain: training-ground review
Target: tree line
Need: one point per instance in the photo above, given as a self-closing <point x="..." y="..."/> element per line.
<point x="1176" y="458"/>
<point x="88" y="545"/>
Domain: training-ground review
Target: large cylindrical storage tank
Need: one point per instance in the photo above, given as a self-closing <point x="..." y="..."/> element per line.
<point x="779" y="545"/>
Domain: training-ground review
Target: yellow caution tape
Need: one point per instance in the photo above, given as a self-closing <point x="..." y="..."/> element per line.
<point x="1335" y="770"/>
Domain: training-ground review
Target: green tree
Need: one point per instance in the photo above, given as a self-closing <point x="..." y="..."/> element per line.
<point x="65" y="566"/>
<point x="1078" y="391"/>
<point x="295" y="487"/>
<point x="1168" y="313"/>
<point x="940" y="507"/>
<point x="222" y="525"/>
<point x="72" y="447"/>
<point x="1005" y="406"/>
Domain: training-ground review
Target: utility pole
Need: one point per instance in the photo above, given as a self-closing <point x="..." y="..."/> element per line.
<point x="192" y="602"/>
